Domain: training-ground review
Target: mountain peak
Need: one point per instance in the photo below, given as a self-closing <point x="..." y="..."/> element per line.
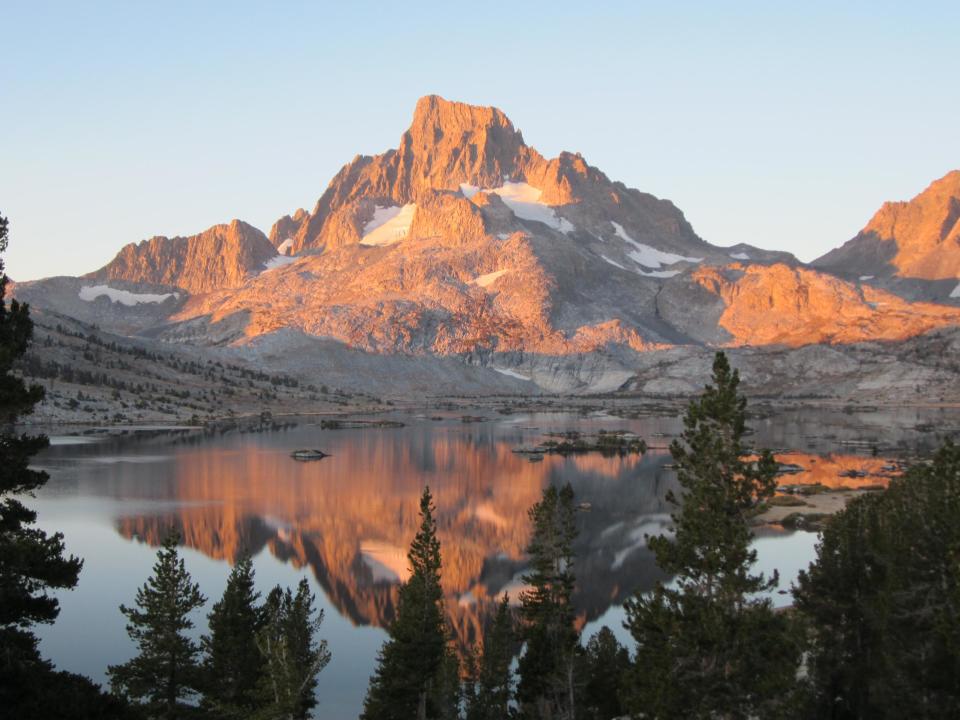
<point x="917" y="238"/>
<point x="449" y="143"/>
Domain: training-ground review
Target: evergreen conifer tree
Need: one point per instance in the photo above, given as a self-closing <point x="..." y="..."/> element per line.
<point x="409" y="682"/>
<point x="164" y="677"/>
<point x="708" y="646"/>
<point x="232" y="661"/>
<point x="31" y="562"/>
<point x="292" y="654"/>
<point x="492" y="688"/>
<point x="547" y="667"/>
<point x="606" y="663"/>
<point x="882" y="600"/>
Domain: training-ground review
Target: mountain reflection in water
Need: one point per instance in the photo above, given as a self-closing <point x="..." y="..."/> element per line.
<point x="347" y="520"/>
<point x="351" y="517"/>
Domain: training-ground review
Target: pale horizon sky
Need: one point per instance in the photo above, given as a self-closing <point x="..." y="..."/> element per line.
<point x="782" y="126"/>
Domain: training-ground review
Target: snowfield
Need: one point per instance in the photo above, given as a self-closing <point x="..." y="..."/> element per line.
<point x="277" y="262"/>
<point x="524" y="200"/>
<point x="739" y="256"/>
<point x="389" y="225"/>
<point x="284" y="247"/>
<point x="509" y="373"/>
<point x="124" y="297"/>
<point x="648" y="256"/>
<point x="615" y="264"/>
<point x="488" y="279"/>
<point x="956" y="292"/>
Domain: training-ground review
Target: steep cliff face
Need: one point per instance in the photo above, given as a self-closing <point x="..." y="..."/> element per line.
<point x="223" y="256"/>
<point x="919" y="238"/>
<point x="767" y="305"/>
<point x="285" y="229"/>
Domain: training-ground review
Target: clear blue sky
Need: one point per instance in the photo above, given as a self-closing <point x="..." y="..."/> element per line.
<point x="785" y="127"/>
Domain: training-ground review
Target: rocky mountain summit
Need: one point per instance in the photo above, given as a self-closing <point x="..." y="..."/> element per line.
<point x="221" y="257"/>
<point x="466" y="245"/>
<point x="911" y="247"/>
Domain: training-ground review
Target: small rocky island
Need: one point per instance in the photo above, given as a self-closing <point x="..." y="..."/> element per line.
<point x="573" y="442"/>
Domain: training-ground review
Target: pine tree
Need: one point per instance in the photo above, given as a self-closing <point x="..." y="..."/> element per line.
<point x="547" y="666"/>
<point x="293" y="656"/>
<point x="882" y="600"/>
<point x="606" y="663"/>
<point x="232" y="661"/>
<point x="708" y="646"/>
<point x="165" y="676"/>
<point x="31" y="562"/>
<point x="492" y="689"/>
<point x="408" y="682"/>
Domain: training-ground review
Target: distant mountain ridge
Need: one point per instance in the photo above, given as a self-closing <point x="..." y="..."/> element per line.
<point x="915" y="240"/>
<point x="465" y="242"/>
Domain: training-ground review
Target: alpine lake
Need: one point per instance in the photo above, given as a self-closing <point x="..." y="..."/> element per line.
<point x="345" y="521"/>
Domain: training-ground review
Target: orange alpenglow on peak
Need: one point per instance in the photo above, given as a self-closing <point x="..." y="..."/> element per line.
<point x="918" y="238"/>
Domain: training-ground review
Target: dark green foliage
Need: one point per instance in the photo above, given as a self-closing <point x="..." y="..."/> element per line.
<point x="411" y="676"/>
<point x="30" y="689"/>
<point x="492" y="687"/>
<point x="31" y="562"/>
<point x="165" y="676"/>
<point x="547" y="683"/>
<point x="882" y="600"/>
<point x="706" y="647"/>
<point x="232" y="661"/>
<point x="292" y="655"/>
<point x="605" y="665"/>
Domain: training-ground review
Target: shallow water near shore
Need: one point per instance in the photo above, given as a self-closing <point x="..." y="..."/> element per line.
<point x="345" y="522"/>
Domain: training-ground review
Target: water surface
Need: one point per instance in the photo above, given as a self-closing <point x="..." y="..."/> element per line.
<point x="345" y="522"/>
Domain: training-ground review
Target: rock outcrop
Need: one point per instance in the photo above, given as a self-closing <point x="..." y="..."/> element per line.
<point x="780" y="305"/>
<point x="224" y="256"/>
<point x="917" y="240"/>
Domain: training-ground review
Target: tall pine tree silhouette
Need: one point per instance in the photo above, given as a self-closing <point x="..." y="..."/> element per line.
<point x="232" y="661"/>
<point x="410" y="681"/>
<point x="32" y="563"/>
<point x="708" y="646"/>
<point x="547" y="667"/>
<point x="164" y="676"/>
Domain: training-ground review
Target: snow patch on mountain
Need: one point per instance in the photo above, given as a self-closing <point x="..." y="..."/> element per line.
<point x="284" y="247"/>
<point x="740" y="256"/>
<point x="489" y="278"/>
<point x="524" y="201"/>
<point x="659" y="273"/>
<point x="389" y="225"/>
<point x="510" y="373"/>
<point x="612" y="262"/>
<point x="866" y="277"/>
<point x="649" y="256"/>
<point x="277" y="262"/>
<point x="124" y="297"/>
<point x="956" y="292"/>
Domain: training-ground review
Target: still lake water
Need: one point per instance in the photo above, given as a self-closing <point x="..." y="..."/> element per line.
<point x="345" y="522"/>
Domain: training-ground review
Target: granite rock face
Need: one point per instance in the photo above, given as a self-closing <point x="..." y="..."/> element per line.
<point x="912" y="247"/>
<point x="465" y="245"/>
<point x="223" y="256"/>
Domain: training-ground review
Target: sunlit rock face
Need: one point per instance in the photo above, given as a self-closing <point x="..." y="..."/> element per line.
<point x="777" y="304"/>
<point x="223" y="256"/>
<point x="911" y="246"/>
<point x="464" y="244"/>
<point x="351" y="517"/>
